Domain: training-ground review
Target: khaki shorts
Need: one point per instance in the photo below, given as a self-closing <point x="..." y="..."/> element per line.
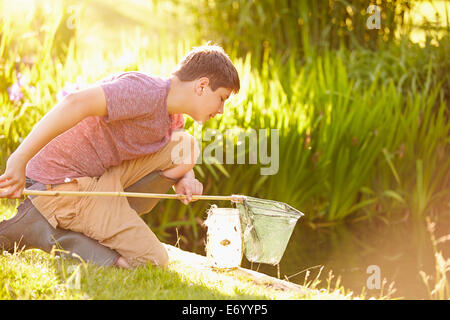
<point x="110" y="220"/>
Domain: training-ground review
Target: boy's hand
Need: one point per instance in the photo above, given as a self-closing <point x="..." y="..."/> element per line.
<point x="12" y="181"/>
<point x="188" y="186"/>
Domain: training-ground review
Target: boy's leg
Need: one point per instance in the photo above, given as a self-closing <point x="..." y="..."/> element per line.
<point x="143" y="175"/>
<point x="154" y="182"/>
<point x="28" y="229"/>
<point x="175" y="159"/>
<point x="121" y="228"/>
<point x="111" y="220"/>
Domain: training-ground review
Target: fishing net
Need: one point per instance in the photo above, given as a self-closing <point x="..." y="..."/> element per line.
<point x="267" y="226"/>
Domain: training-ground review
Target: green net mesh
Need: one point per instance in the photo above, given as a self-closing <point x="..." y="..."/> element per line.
<point x="267" y="226"/>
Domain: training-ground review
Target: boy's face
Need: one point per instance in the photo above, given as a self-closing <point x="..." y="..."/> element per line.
<point x="209" y="103"/>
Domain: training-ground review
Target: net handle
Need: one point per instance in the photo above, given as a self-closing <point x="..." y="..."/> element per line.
<point x="234" y="197"/>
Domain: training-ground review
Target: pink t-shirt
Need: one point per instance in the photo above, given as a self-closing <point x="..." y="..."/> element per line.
<point x="137" y="124"/>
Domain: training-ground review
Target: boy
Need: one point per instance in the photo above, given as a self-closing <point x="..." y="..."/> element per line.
<point x="117" y="135"/>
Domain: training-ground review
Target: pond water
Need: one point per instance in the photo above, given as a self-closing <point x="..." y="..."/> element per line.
<point x="399" y="251"/>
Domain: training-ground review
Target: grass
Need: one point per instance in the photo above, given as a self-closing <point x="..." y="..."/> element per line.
<point x="36" y="275"/>
<point x="440" y="289"/>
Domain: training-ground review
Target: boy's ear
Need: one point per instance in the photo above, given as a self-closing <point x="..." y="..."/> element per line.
<point x="201" y="84"/>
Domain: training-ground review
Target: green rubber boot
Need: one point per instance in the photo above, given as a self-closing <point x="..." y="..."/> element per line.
<point x="154" y="182"/>
<point x="28" y="229"/>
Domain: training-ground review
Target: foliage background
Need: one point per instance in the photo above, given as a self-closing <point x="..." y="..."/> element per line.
<point x="362" y="114"/>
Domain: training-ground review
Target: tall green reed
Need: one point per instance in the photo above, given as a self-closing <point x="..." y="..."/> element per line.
<point x="27" y="62"/>
<point x="299" y="27"/>
<point x="345" y="148"/>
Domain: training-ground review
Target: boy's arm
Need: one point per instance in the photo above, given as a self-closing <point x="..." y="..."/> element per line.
<point x="190" y="174"/>
<point x="66" y="114"/>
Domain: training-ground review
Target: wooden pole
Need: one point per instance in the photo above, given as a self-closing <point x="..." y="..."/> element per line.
<point x="235" y="198"/>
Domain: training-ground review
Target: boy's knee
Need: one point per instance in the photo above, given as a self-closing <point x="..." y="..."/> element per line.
<point x="157" y="257"/>
<point x="163" y="259"/>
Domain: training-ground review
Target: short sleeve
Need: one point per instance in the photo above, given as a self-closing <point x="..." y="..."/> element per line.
<point x="127" y="96"/>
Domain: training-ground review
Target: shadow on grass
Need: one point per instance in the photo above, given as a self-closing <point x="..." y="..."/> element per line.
<point x="147" y="282"/>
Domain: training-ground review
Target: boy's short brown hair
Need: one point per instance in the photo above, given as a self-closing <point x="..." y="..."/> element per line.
<point x="212" y="62"/>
